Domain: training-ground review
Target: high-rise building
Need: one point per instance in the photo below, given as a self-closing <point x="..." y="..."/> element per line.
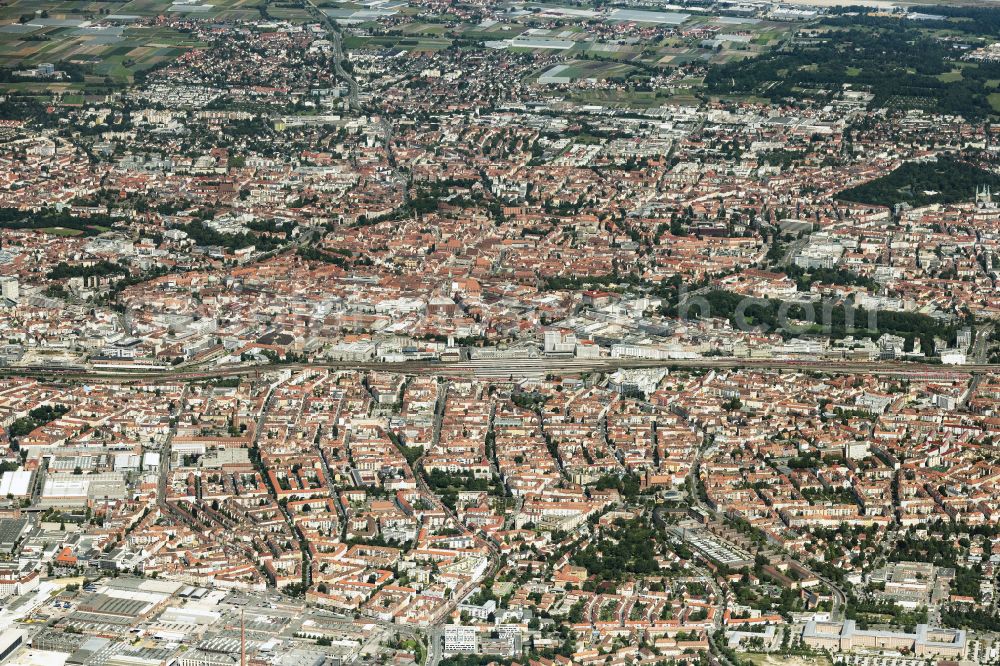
<point x="10" y="288"/>
<point x="458" y="638"/>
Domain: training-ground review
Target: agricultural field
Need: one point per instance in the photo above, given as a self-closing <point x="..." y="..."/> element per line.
<point x="92" y="10"/>
<point x="105" y="56"/>
<point x="635" y="99"/>
<point x="91" y="55"/>
<point x="597" y="70"/>
<point x="105" y="45"/>
<point x="407" y="43"/>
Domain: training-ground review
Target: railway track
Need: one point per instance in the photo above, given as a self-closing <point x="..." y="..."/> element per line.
<point x="503" y="369"/>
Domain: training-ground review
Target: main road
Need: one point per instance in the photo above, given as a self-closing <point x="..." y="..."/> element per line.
<point x="693" y="481"/>
<point x="336" y="39"/>
<point x="434" y="635"/>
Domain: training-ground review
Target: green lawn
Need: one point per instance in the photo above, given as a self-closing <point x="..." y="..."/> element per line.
<point x="948" y="77"/>
<point x="61" y="231"/>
